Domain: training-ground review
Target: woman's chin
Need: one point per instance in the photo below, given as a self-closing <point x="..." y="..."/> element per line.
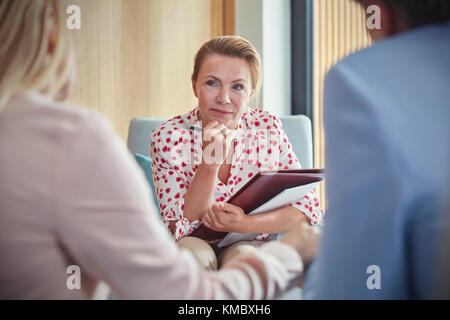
<point x="225" y="118"/>
<point x="226" y="122"/>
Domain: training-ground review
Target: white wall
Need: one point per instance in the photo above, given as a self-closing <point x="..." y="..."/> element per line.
<point x="267" y="25"/>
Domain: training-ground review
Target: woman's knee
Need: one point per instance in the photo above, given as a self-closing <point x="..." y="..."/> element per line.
<point x="236" y="249"/>
<point x="202" y="251"/>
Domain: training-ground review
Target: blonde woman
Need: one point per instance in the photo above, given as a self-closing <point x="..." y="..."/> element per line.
<point x="237" y="143"/>
<point x="60" y="205"/>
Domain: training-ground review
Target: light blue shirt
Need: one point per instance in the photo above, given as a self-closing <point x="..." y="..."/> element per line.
<point x="387" y="157"/>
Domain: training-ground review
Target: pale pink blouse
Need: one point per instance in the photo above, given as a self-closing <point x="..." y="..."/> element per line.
<point x="71" y="194"/>
<point x="261" y="145"/>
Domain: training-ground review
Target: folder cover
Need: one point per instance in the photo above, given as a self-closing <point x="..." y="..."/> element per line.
<point x="260" y="189"/>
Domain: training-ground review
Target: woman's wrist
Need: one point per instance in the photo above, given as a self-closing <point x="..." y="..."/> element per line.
<point x="198" y="197"/>
<point x="212" y="169"/>
<point x="245" y="225"/>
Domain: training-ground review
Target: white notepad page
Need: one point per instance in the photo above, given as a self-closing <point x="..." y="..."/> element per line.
<point x="286" y="197"/>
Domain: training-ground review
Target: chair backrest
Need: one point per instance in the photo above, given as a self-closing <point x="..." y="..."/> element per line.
<point x="297" y="128"/>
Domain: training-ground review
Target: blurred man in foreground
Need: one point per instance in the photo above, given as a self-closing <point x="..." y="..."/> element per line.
<point x="387" y="156"/>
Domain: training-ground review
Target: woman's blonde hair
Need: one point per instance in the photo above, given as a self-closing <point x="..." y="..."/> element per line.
<point x="233" y="46"/>
<point x="24" y="41"/>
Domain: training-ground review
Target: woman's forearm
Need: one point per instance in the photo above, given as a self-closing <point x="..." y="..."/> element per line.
<point x="276" y="221"/>
<point x="199" y="195"/>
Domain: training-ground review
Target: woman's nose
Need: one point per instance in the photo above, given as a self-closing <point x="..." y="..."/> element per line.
<point x="223" y="97"/>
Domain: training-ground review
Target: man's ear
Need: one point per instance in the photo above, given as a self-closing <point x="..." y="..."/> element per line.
<point x="387" y="20"/>
<point x="194" y="87"/>
<point x="52" y="29"/>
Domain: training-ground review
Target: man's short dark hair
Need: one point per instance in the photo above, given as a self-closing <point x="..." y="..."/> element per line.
<point x="419" y="12"/>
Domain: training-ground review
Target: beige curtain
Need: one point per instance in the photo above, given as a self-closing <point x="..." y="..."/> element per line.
<point x="339" y="28"/>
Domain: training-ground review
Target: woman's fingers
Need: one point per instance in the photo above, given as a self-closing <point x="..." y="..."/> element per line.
<point x="217" y="142"/>
<point x="216" y="131"/>
<point x="228" y="207"/>
<point x="223" y="216"/>
<point x="214" y="124"/>
<point x="211" y="124"/>
<point x="215" y="127"/>
<point x="207" y="220"/>
<point x="217" y="213"/>
<point x="229" y="138"/>
<point x="214" y="220"/>
<point x="210" y="219"/>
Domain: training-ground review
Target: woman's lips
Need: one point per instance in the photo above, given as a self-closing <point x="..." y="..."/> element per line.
<point x="221" y="112"/>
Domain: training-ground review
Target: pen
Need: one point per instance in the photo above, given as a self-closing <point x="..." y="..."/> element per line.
<point x="195" y="128"/>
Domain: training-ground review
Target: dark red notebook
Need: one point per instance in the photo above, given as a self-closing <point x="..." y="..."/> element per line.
<point x="260" y="189"/>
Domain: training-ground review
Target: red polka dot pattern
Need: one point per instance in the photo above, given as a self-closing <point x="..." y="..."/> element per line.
<point x="261" y="145"/>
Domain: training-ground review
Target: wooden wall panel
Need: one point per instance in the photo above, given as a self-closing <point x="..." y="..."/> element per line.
<point x="135" y="57"/>
<point x="339" y="29"/>
<point x="229" y="17"/>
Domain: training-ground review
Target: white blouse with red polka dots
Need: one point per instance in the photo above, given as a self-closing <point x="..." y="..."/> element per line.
<point x="261" y="144"/>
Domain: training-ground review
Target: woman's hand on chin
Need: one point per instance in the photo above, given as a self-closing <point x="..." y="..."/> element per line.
<point x="217" y="143"/>
<point x="225" y="217"/>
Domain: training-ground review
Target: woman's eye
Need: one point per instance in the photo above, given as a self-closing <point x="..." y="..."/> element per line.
<point x="211" y="83"/>
<point x="238" y="86"/>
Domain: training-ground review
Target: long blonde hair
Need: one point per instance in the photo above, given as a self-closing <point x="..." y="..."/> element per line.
<point x="24" y="40"/>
